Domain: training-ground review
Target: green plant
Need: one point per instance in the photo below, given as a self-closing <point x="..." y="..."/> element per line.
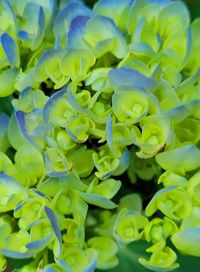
<point x="100" y="130"/>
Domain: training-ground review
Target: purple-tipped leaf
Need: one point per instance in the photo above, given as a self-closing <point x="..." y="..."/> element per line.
<point x="49" y="270"/>
<point x="126" y="76"/>
<point x="188" y="49"/>
<point x="109" y="131"/>
<point x="65" y="266"/>
<point x="41" y="30"/>
<point x="16" y="254"/>
<point x="50" y="103"/>
<point x="20" y="118"/>
<point x="39" y="244"/>
<point x="98" y="200"/>
<point x="39" y="193"/>
<point x="18" y="207"/>
<point x="11" y="50"/>
<point x="66" y="16"/>
<point x="54" y="225"/>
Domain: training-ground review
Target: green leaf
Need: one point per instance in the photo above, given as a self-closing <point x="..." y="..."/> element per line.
<point x="98" y="200"/>
<point x="187" y="156"/>
<point x="131" y="202"/>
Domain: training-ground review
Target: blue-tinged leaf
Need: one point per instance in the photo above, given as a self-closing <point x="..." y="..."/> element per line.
<point x="52" y="4"/>
<point x="138" y="31"/>
<point x="46" y="55"/>
<point x="76" y="31"/>
<point x="18" y="207"/>
<point x="141" y="48"/>
<point x="4" y="121"/>
<point x="25" y="92"/>
<point x="64" y="266"/>
<point x="72" y="134"/>
<point x="49" y="270"/>
<point x="16" y="254"/>
<point x="38" y="221"/>
<point x="92" y="265"/>
<point x="20" y="118"/>
<point x="51" y="168"/>
<point x="188" y="157"/>
<point x="188" y="49"/>
<point x="78" y="23"/>
<point x="187" y="241"/>
<point x="108" y="38"/>
<point x="160" y="2"/>
<point x="113" y="9"/>
<point x="8" y="181"/>
<point x="57" y="43"/>
<point x="177" y="114"/>
<point x="39" y="193"/>
<point x="73" y="101"/>
<point x="82" y="110"/>
<point x="126" y="76"/>
<point x="52" y="185"/>
<point x="57" y="173"/>
<point x="66" y="15"/>
<point x="39" y="244"/>
<point x="11" y="50"/>
<point x="98" y="200"/>
<point x="50" y="103"/>
<point x="109" y="131"/>
<point x="11" y="12"/>
<point x="54" y="226"/>
<point x="23" y="35"/>
<point x="124" y="163"/>
<point x="41" y="30"/>
<point x="186" y="84"/>
<point x="38" y="133"/>
<point x="35" y="13"/>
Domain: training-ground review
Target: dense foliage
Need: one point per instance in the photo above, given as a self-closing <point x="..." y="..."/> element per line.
<point x="100" y="130"/>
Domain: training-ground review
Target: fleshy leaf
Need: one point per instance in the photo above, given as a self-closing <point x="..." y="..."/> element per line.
<point x="131" y="202"/>
<point x="16" y="254"/>
<point x="11" y="193"/>
<point x="76" y="64"/>
<point x="172" y="201"/>
<point x="133" y="106"/>
<point x="107" y="250"/>
<point x="162" y="261"/>
<point x="127" y="77"/>
<point x="187" y="156"/>
<point x="54" y="184"/>
<point x="39" y="244"/>
<point x="7" y="81"/>
<point x="109" y="38"/>
<point x="11" y="49"/>
<point x="107" y="188"/>
<point x="98" y="200"/>
<point x="85" y="259"/>
<point x="128" y="226"/>
<point x="54" y="226"/>
<point x="113" y="9"/>
<point x="66" y="15"/>
<point x="187" y="241"/>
